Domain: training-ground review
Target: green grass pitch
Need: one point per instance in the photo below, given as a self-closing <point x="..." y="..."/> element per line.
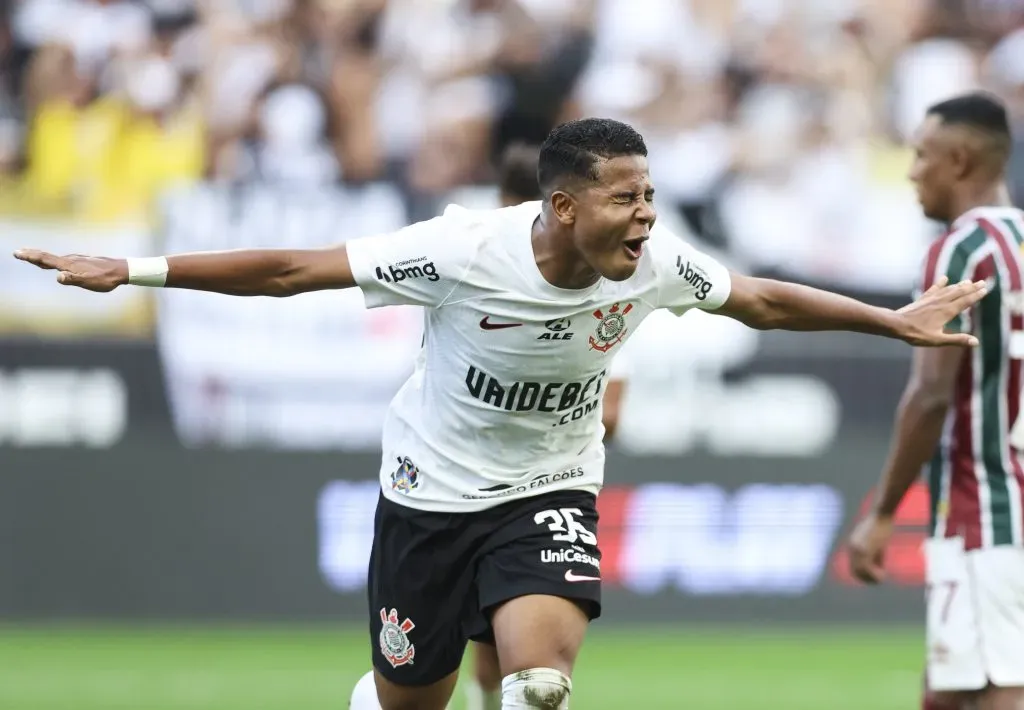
<point x="297" y="668"/>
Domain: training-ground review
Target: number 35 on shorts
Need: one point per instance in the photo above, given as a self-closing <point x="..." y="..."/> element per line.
<point x="565" y="526"/>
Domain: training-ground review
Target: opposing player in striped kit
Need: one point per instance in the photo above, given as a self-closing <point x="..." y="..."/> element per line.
<point x="960" y="421"/>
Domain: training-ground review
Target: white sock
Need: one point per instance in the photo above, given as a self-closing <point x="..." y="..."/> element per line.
<point x="364" y="695"/>
<point x="536" y="689"/>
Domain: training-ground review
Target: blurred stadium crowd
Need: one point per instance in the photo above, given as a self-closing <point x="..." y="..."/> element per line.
<point x="776" y="127"/>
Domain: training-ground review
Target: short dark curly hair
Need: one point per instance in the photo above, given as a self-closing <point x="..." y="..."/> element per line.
<point x="983" y="112"/>
<point x="573" y="150"/>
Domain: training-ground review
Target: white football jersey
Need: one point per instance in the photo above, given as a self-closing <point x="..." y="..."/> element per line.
<point x="505" y="399"/>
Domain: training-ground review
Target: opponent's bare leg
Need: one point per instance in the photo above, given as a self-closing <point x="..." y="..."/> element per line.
<point x="993" y="698"/>
<point x="946" y="701"/>
<point x="483" y="690"/>
<point x="538" y="637"/>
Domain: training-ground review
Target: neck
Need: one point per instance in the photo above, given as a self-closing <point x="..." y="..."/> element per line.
<point x="973" y="196"/>
<point x="557" y="258"/>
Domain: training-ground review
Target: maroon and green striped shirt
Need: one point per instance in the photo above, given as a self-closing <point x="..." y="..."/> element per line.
<point x="976" y="478"/>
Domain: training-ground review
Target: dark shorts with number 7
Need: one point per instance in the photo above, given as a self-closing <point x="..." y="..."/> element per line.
<point x="435" y="578"/>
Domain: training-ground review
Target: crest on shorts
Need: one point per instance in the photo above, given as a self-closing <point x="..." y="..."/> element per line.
<point x="611" y="329"/>
<point x="394" y="639"/>
<point x="406" y="477"/>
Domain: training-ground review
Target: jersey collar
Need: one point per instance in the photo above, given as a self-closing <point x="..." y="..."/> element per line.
<point x="977" y="213"/>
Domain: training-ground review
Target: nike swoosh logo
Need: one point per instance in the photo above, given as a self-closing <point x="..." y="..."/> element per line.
<point x="487" y="325"/>
<point x="571" y="576"/>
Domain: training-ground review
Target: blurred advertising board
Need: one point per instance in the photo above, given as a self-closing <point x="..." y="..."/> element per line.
<point x="31" y="303"/>
<point x="156" y="531"/>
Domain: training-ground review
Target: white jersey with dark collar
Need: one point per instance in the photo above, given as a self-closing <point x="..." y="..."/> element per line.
<point x="505" y="399"/>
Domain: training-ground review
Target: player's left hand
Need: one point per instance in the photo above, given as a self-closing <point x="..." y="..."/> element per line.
<point x="867" y="548"/>
<point x="924" y="320"/>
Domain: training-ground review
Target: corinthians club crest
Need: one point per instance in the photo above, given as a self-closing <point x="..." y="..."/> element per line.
<point x="394" y="639"/>
<point x="611" y="329"/>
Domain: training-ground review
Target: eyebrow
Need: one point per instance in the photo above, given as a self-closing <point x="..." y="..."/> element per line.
<point x="633" y="193"/>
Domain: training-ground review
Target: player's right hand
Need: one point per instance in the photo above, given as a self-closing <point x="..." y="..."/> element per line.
<point x="93" y="273"/>
<point x="867" y="548"/>
<point x="925" y="319"/>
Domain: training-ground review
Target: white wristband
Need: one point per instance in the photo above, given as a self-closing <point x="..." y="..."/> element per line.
<point x="151" y="271"/>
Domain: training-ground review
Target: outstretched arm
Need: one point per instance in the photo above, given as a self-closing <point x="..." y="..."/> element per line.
<point x="766" y="305"/>
<point x="417" y="265"/>
<point x="247" y="272"/>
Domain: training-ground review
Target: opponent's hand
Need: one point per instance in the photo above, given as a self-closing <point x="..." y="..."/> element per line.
<point x="93" y="273"/>
<point x="867" y="548"/>
<point x="924" y="320"/>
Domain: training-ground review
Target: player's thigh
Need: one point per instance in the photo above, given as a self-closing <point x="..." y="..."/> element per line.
<point x="540" y="582"/>
<point x="485" y="666"/>
<point x="947" y="701"/>
<point x="435" y="696"/>
<point x="998" y="579"/>
<point x="420" y="593"/>
<point x="995" y="698"/>
<point x="539" y="631"/>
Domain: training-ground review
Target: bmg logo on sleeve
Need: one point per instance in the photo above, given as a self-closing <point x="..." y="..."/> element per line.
<point x="409" y="269"/>
<point x="694" y="276"/>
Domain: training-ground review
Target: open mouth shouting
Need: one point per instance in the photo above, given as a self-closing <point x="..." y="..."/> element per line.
<point x="634" y="247"/>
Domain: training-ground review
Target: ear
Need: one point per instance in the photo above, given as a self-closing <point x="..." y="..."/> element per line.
<point x="961" y="160"/>
<point x="563" y="205"/>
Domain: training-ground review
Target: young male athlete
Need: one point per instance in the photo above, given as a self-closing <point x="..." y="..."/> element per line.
<point x="958" y="419"/>
<point x="492" y="453"/>
<point x="517" y="183"/>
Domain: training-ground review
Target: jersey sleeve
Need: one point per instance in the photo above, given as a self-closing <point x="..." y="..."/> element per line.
<point x="687" y="278"/>
<point x="953" y="257"/>
<point x="419" y="265"/>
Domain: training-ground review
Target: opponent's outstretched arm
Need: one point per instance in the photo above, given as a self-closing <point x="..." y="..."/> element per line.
<point x="245" y="272"/>
<point x="766" y="304"/>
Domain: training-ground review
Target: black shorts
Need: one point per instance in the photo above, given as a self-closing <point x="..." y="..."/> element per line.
<point x="435" y="578"/>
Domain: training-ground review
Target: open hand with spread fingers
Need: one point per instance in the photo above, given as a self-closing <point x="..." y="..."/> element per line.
<point x="93" y="273"/>
<point x="924" y="320"/>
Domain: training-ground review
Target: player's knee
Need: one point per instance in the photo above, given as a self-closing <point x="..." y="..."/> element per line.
<point x="536" y="689"/>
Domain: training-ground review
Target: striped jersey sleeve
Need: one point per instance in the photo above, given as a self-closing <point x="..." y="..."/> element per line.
<point x="956" y="256"/>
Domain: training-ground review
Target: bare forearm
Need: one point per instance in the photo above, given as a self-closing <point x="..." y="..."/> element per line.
<point x="244" y="272"/>
<point x="794" y="307"/>
<point x="919" y="421"/>
<point x="249" y="272"/>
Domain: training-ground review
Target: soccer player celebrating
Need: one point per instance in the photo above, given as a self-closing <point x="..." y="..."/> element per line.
<point x="957" y="417"/>
<point x="492" y="452"/>
<point x="517" y="183"/>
